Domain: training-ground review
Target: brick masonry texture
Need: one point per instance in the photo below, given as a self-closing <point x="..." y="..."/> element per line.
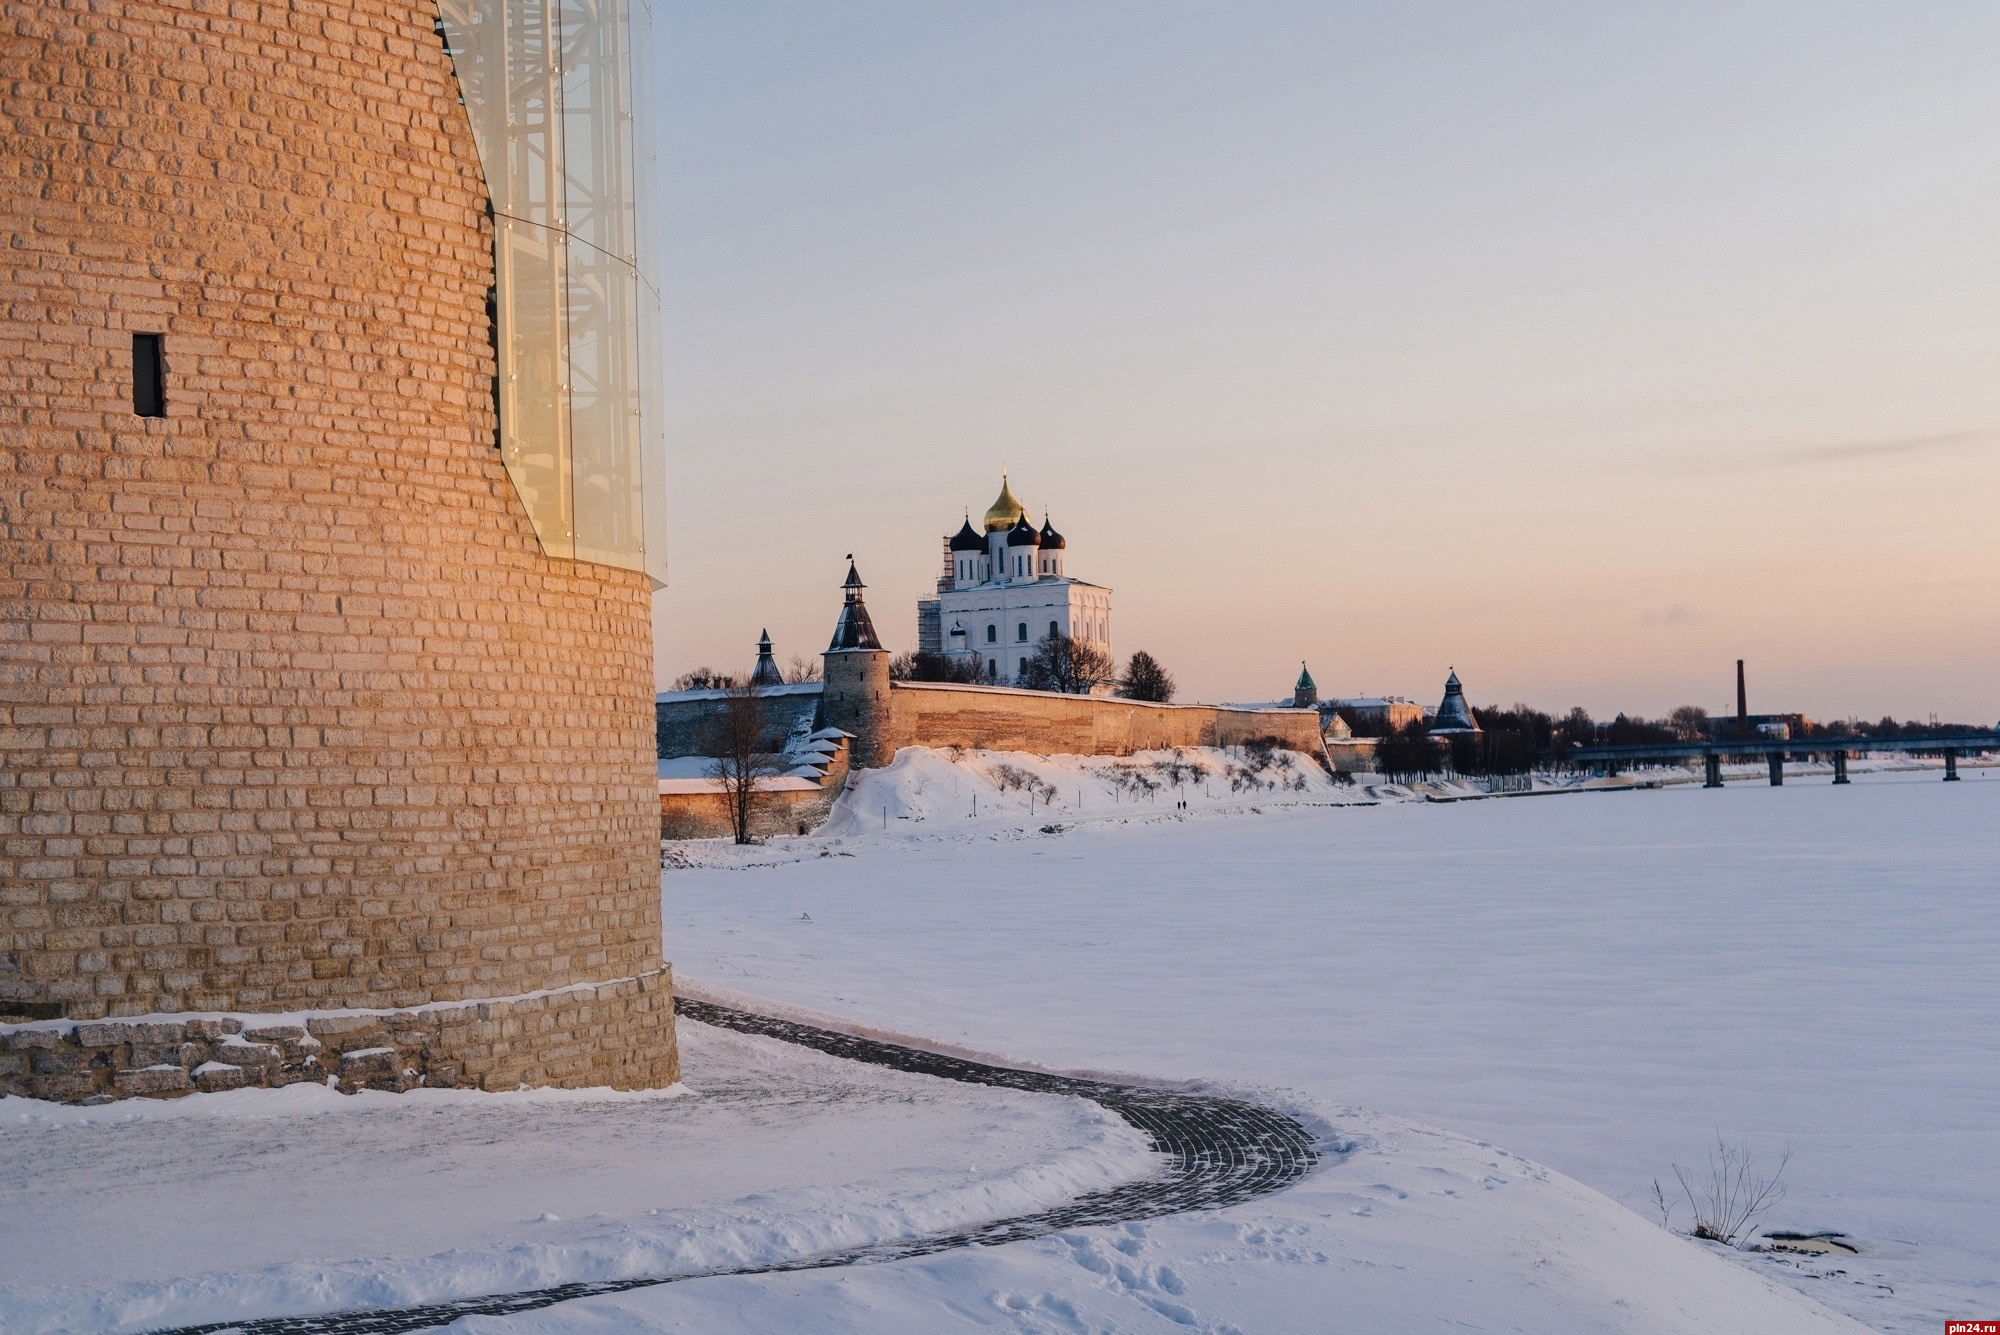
<point x="294" y="713"/>
<point x="1004" y="719"/>
<point x="787" y="810"/>
<point x="618" y="1034"/>
<point x="686" y="727"/>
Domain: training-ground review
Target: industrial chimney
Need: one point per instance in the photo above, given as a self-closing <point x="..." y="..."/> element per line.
<point x="1742" y="699"/>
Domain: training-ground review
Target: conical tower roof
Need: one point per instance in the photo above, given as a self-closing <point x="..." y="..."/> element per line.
<point x="854" y="630"/>
<point x="1454" y="715"/>
<point x="1306" y="682"/>
<point x="766" y="672"/>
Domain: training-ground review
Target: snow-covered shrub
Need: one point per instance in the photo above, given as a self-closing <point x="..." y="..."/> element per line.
<point x="1012" y="778"/>
<point x="1732" y="1194"/>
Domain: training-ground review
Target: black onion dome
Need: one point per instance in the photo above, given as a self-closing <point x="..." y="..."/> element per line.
<point x="1023" y="534"/>
<point x="1051" y="538"/>
<point x="966" y="540"/>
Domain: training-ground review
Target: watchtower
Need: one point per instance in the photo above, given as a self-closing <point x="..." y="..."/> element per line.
<point x="855" y="697"/>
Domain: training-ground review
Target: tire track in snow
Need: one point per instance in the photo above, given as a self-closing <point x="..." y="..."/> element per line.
<point x="1218" y="1152"/>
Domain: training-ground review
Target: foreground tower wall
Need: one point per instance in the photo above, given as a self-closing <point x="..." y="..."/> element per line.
<point x="295" y="713"/>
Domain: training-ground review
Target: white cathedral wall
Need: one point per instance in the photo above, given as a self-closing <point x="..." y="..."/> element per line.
<point x="1080" y="611"/>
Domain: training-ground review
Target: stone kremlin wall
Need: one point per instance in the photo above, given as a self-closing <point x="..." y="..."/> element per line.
<point x="1004" y="718"/>
<point x="294" y="713"/>
<point x="999" y="718"/>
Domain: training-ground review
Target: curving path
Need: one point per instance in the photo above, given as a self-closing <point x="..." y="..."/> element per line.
<point x="1219" y="1151"/>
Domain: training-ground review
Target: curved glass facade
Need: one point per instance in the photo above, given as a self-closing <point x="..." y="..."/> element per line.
<point x="560" y="102"/>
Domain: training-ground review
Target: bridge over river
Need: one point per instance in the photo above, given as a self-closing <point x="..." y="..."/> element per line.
<point x="1610" y="759"/>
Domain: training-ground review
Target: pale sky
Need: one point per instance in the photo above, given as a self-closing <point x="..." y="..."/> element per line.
<point x="1584" y="348"/>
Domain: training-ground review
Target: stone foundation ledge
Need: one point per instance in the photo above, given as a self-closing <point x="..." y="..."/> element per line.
<point x="618" y="1034"/>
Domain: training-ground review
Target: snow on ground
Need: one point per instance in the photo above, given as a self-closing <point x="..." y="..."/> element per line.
<point x="137" y="1215"/>
<point x="1413" y="1229"/>
<point x="1598" y="981"/>
<point x="941" y="793"/>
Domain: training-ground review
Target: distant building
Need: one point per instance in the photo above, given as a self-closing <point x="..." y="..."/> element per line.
<point x="1004" y="587"/>
<point x="1746" y="726"/>
<point x="1453" y="716"/>
<point x="1305" y="695"/>
<point x="766" y="672"/>
<point x="1374" y="715"/>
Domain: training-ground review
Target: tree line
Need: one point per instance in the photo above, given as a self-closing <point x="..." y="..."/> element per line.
<point x="1524" y="739"/>
<point x="1059" y="663"/>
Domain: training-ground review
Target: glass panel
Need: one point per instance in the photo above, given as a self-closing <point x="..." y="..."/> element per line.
<point x="646" y="215"/>
<point x="603" y="324"/>
<point x="604" y="408"/>
<point x="556" y="113"/>
<point x="534" y="416"/>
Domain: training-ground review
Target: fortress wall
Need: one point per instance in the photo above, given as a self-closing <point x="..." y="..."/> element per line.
<point x="686" y="720"/>
<point x="618" y="1034"/>
<point x="294" y="713"/>
<point x="783" y="805"/>
<point x="1001" y="718"/>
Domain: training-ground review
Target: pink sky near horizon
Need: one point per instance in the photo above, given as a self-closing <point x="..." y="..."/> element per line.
<point x="1585" y="353"/>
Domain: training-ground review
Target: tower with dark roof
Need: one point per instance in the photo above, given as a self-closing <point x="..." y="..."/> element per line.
<point x="766" y="672"/>
<point x="855" y="696"/>
<point x="1453" y="715"/>
<point x="1305" y="695"/>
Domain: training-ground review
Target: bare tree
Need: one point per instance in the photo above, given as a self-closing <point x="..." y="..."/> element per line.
<point x="802" y="668"/>
<point x="1145" y="679"/>
<point x="740" y="744"/>
<point x="1732" y="1195"/>
<point x="703" y="679"/>
<point x="923" y="665"/>
<point x="1059" y="663"/>
<point x="1407" y="753"/>
<point x="1689" y="723"/>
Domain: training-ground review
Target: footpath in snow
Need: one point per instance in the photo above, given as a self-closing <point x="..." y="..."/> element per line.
<point x="139" y="1215"/>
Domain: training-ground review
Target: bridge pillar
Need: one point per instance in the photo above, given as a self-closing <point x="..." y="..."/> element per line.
<point x="1777" y="769"/>
<point x="1840" y="767"/>
<point x="1711" y="765"/>
<point x="1951" y="767"/>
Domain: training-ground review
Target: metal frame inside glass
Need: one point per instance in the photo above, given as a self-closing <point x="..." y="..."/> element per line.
<point x="559" y="95"/>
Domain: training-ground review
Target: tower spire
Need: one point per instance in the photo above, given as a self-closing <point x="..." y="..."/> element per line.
<point x="855" y="629"/>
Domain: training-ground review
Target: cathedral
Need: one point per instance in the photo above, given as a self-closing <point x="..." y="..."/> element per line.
<point x="1003" y="587"/>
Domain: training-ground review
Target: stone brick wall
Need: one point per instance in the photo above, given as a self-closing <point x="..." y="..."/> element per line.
<point x="997" y="718"/>
<point x="1352" y="755"/>
<point x="685" y="721"/>
<point x="618" y="1034"/>
<point x="1002" y="718"/>
<point x="794" y="806"/>
<point x="294" y="713"/>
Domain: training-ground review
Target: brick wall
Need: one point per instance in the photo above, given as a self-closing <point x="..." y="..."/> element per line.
<point x="293" y="711"/>
<point x="685" y="721"/>
<point x="618" y="1034"/>
<point x="779" y="805"/>
<point x="1001" y="718"/>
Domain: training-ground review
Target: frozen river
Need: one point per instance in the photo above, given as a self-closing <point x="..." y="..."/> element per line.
<point x="1600" y="982"/>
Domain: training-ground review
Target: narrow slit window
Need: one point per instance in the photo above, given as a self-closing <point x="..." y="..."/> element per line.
<point x="149" y="375"/>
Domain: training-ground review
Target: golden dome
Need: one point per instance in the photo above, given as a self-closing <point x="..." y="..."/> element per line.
<point x="1005" y="512"/>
